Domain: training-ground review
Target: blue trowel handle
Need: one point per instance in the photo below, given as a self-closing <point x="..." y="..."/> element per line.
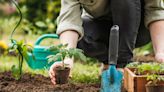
<point x="113" y="45"/>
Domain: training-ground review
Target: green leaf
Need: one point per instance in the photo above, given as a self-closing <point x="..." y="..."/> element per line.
<point x="40" y="24"/>
<point x="54" y="58"/>
<point x="82" y="56"/>
<point x="133" y="65"/>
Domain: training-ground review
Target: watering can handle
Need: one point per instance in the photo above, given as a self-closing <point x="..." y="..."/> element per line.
<point x="113" y="45"/>
<point x="46" y="36"/>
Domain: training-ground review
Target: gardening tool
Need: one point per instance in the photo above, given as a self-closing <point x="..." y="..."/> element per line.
<point x="111" y="79"/>
<point x="38" y="58"/>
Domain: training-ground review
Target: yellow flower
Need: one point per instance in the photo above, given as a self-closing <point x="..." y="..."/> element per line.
<point x="30" y="44"/>
<point x="3" y="45"/>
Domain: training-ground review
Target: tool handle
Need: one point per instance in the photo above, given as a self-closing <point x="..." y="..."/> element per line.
<point x="113" y="45"/>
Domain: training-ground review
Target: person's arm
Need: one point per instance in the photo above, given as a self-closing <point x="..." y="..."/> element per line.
<point x="70" y="18"/>
<point x="69" y="29"/>
<point x="157" y="36"/>
<point x="154" y="20"/>
<point x="69" y="37"/>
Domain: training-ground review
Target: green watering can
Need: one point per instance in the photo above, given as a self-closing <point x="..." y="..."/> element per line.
<point x="38" y="58"/>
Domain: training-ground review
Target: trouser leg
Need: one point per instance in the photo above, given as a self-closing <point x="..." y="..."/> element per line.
<point x="94" y="42"/>
<point x="126" y="14"/>
<point x="143" y="36"/>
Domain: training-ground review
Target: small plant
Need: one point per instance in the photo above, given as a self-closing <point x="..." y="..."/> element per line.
<point x="18" y="46"/>
<point x="149" y="68"/>
<point x="22" y="49"/>
<point x="154" y="76"/>
<point x="62" y="53"/>
<point x="62" y="73"/>
<point x="145" y="77"/>
<point x="154" y="79"/>
<point x="144" y="68"/>
<point x="133" y="65"/>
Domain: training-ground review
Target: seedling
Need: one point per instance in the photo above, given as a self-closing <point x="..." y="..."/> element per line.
<point x="149" y="68"/>
<point x="154" y="79"/>
<point x="133" y="65"/>
<point x="62" y="53"/>
<point x="22" y="49"/>
<point x="62" y="73"/>
<point x="144" y="68"/>
<point x="155" y="74"/>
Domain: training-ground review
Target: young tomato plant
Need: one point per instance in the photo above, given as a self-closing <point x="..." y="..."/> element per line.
<point x="22" y="49"/>
<point x="154" y="79"/>
<point x="155" y="76"/>
<point x="62" y="73"/>
<point x="62" y="53"/>
<point x="149" y="68"/>
<point x="19" y="46"/>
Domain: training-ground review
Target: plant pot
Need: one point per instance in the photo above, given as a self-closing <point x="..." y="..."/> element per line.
<point x="133" y="82"/>
<point x="62" y="75"/>
<point x="155" y="88"/>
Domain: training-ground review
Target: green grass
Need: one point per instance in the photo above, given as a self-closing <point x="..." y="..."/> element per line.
<point x="85" y="73"/>
<point x="6" y="62"/>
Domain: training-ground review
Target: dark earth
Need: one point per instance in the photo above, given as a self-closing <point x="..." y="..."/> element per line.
<point x="39" y="83"/>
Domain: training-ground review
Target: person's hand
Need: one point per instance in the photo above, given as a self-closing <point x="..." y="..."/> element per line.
<point x="68" y="62"/>
<point x="159" y="57"/>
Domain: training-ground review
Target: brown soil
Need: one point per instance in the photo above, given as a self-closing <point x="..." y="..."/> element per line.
<point x="147" y="58"/>
<point x="39" y="83"/>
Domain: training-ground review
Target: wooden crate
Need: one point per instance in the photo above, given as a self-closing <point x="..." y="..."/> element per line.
<point x="133" y="82"/>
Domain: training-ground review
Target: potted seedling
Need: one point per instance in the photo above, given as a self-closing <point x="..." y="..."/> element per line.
<point x="150" y="68"/>
<point x="133" y="66"/>
<point x="131" y="83"/>
<point x="136" y="79"/>
<point x="62" y="73"/>
<point x="155" y="81"/>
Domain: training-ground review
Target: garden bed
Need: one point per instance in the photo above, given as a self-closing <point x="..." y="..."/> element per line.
<point x="39" y="83"/>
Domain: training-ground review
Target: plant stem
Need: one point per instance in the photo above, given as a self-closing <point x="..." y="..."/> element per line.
<point x="20" y="63"/>
<point x="20" y="13"/>
<point x="62" y="62"/>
